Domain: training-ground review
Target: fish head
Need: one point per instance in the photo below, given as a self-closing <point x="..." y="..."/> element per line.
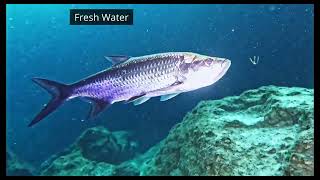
<point x="200" y="70"/>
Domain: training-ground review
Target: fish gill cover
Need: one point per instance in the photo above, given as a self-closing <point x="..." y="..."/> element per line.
<point x="266" y="44"/>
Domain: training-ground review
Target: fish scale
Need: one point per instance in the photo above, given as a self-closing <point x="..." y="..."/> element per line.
<point x="152" y="74"/>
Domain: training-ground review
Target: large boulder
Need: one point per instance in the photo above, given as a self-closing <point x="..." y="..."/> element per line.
<point x="101" y="145"/>
<point x="96" y="152"/>
<point x="266" y="131"/>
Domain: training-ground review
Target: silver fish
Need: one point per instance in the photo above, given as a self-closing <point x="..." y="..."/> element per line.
<point x="137" y="79"/>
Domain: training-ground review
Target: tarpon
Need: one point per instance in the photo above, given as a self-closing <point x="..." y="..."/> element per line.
<point x="137" y="79"/>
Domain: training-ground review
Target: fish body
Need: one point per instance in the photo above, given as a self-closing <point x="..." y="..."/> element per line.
<point x="137" y="79"/>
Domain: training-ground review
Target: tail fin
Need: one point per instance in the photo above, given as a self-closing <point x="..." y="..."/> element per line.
<point x="60" y="92"/>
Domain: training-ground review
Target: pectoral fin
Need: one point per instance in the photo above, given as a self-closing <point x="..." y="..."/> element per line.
<point x="140" y="100"/>
<point x="170" y="87"/>
<point x="167" y="97"/>
<point x="134" y="98"/>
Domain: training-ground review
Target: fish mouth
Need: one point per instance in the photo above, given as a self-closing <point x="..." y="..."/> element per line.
<point x="226" y="63"/>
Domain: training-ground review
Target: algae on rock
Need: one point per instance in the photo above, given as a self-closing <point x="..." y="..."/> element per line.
<point x="101" y="145"/>
<point x="16" y="167"/>
<point x="96" y="152"/>
<point x="265" y="131"/>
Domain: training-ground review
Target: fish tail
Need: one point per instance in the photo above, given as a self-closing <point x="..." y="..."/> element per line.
<point x="59" y="92"/>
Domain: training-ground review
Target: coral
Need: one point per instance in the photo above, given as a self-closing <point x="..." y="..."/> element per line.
<point x="16" y="167"/>
<point x="265" y="131"/>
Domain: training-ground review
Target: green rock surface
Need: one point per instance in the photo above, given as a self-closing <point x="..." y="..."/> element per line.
<point x="264" y="131"/>
<point x="101" y="145"/>
<point x="16" y="167"/>
<point x="96" y="152"/>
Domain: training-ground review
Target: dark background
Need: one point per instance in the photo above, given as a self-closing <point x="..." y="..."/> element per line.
<point x="41" y="43"/>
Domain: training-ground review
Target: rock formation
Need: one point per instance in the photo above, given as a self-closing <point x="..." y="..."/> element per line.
<point x="264" y="131"/>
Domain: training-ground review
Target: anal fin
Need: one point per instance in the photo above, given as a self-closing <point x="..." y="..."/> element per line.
<point x="97" y="106"/>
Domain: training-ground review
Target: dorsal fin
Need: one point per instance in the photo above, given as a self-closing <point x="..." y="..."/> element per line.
<point x="117" y="59"/>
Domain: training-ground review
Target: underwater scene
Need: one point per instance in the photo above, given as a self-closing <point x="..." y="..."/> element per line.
<point x="180" y="90"/>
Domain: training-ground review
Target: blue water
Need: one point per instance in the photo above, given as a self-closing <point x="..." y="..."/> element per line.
<point x="41" y="43"/>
